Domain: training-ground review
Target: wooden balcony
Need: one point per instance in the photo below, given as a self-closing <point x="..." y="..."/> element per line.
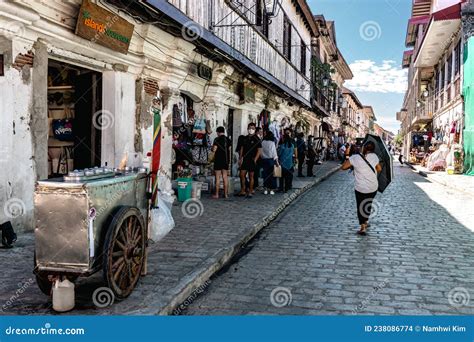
<point x="424" y="111"/>
<point x="321" y="101"/>
<point x="237" y="29"/>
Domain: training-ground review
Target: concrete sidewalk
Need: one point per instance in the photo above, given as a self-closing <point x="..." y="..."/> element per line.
<point x="207" y="235"/>
<point x="461" y="183"/>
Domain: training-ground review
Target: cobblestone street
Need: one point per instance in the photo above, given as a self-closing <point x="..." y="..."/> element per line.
<point x="417" y="259"/>
<point x="206" y="235"/>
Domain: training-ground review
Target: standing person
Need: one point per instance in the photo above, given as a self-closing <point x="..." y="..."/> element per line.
<point x="250" y="151"/>
<point x="301" y="146"/>
<point x="286" y="151"/>
<point x="366" y="166"/>
<point x="342" y="152"/>
<point x="311" y="153"/>
<point x="222" y="151"/>
<point x="258" y="164"/>
<point x="269" y="160"/>
<point x="400" y="158"/>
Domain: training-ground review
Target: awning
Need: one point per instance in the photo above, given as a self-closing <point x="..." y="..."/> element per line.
<point x="407" y="58"/>
<point x="443" y="24"/>
<point x="411" y="29"/>
<point x="327" y="127"/>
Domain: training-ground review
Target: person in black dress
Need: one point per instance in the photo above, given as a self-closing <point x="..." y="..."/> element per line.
<point x="250" y="152"/>
<point x="222" y="151"/>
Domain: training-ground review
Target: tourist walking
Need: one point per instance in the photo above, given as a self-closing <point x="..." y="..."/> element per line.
<point x="269" y="160"/>
<point x="366" y="167"/>
<point x="222" y="152"/>
<point x="250" y="151"/>
<point x="286" y="153"/>
<point x="258" y="164"/>
<point x="301" y="146"/>
<point x="311" y="155"/>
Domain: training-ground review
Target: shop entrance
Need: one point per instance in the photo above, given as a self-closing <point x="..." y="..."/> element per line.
<point x="74" y="118"/>
<point x="230" y="133"/>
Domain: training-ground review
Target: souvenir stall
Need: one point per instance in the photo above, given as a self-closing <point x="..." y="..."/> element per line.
<point x="191" y="148"/>
<point x="421" y="144"/>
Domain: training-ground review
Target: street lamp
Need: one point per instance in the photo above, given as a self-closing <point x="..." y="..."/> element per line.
<point x="426" y="93"/>
<point x="325" y="81"/>
<point x="342" y="101"/>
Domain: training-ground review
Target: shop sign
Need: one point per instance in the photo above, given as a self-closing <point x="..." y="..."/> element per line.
<point x="103" y="27"/>
<point x="247" y="92"/>
<point x="204" y="71"/>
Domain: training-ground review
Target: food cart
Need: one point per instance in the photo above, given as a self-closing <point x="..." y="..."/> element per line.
<point x="92" y="220"/>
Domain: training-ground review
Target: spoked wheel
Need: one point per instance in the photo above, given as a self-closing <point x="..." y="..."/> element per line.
<point x="44" y="284"/>
<point x="124" y="251"/>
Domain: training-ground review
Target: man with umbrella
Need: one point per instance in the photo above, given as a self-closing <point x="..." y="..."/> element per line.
<point x="371" y="173"/>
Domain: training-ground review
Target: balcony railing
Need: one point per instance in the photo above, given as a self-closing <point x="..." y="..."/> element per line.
<point x="241" y="34"/>
<point x="457" y="87"/>
<point x="321" y="99"/>
<point x="448" y="93"/>
<point x="424" y="111"/>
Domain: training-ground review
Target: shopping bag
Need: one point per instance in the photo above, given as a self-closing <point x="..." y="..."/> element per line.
<point x="277" y="172"/>
<point x="62" y="129"/>
<point x="211" y="157"/>
<point x="161" y="219"/>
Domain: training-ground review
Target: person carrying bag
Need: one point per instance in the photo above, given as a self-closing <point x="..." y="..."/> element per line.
<point x="366" y="166"/>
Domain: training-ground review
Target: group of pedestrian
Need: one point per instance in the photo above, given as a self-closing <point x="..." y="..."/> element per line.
<point x="261" y="153"/>
<point x="259" y="149"/>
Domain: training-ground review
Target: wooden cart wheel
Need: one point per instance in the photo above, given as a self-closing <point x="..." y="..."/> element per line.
<point x="42" y="280"/>
<point x="124" y="251"/>
<point x="44" y="284"/>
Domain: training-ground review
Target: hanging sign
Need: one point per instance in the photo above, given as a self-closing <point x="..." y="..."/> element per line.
<point x="204" y="71"/>
<point x="103" y="27"/>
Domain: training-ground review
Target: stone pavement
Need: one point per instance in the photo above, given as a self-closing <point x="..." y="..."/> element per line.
<point x="417" y="259"/>
<point x="180" y="263"/>
<point x="458" y="182"/>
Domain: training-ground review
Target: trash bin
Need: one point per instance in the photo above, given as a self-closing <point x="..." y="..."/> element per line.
<point x="185" y="188"/>
<point x="196" y="192"/>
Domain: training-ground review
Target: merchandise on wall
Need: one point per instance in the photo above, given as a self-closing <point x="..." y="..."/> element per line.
<point x="74" y="119"/>
<point x="191" y="138"/>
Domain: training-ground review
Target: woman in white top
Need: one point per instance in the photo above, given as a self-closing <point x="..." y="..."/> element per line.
<point x="269" y="160"/>
<point x="366" y="168"/>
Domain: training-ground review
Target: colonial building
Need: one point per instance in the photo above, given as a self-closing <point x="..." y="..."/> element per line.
<point x="331" y="71"/>
<point x="96" y="68"/>
<point x="368" y="120"/>
<point x="433" y="112"/>
<point x="351" y="115"/>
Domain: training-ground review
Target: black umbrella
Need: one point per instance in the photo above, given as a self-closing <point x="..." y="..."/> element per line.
<point x="386" y="175"/>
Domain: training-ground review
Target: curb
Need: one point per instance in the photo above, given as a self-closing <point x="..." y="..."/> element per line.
<point x="199" y="277"/>
<point x="438" y="181"/>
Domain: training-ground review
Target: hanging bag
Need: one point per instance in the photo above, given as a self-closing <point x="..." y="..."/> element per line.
<point x="277" y="171"/>
<point x="62" y="128"/>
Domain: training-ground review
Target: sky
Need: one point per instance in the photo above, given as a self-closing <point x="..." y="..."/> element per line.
<point x="371" y="36"/>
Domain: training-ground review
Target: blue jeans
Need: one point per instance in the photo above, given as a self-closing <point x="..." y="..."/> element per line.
<point x="269" y="181"/>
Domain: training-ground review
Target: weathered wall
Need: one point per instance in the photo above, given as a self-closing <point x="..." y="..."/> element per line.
<point x="17" y="156"/>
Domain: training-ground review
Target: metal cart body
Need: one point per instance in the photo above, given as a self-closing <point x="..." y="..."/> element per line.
<point x="73" y="217"/>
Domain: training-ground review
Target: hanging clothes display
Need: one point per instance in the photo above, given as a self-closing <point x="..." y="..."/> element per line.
<point x="264" y="119"/>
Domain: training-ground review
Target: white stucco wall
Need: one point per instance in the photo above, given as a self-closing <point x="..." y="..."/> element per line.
<point x="17" y="174"/>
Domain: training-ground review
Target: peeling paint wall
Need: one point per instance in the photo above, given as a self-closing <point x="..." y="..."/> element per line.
<point x="16" y="159"/>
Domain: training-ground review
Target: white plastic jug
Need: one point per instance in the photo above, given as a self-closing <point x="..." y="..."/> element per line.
<point x="63" y="296"/>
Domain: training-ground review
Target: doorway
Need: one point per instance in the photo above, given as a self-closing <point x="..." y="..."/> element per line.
<point x="74" y="103"/>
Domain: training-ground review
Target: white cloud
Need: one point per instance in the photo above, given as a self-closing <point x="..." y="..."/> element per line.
<point x="369" y="76"/>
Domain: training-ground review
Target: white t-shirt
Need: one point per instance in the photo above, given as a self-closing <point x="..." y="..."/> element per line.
<point x="365" y="179"/>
